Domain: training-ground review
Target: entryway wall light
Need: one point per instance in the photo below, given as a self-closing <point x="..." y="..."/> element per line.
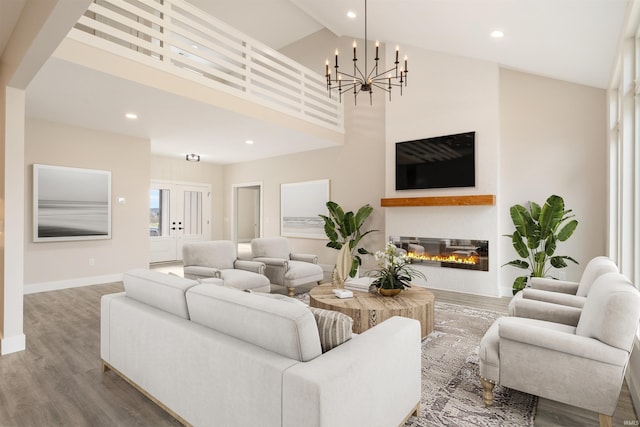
<point x="193" y="157"/>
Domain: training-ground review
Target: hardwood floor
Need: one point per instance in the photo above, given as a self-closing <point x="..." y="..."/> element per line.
<point x="58" y="380"/>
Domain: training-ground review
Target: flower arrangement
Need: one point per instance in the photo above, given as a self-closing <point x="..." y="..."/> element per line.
<point x="395" y="270"/>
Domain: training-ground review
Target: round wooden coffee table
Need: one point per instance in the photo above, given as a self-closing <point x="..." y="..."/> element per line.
<point x="367" y="309"/>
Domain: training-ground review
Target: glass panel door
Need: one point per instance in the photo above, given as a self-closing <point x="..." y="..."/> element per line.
<point x="177" y="213"/>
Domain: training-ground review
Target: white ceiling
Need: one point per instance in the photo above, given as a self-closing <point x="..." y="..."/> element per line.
<point x="572" y="40"/>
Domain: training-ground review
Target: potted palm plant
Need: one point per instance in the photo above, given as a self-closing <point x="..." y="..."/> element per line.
<point x="537" y="233"/>
<point x="346" y="228"/>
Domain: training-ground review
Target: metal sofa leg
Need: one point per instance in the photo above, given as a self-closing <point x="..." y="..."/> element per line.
<point x="487" y="391"/>
<point x="290" y="291"/>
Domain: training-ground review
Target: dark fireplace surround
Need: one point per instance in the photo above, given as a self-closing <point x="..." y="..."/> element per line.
<point x="464" y="254"/>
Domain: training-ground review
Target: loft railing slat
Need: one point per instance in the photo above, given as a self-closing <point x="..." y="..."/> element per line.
<point x="121" y="35"/>
<point x="134" y="25"/>
<point x="127" y="7"/>
<point x="213" y="60"/>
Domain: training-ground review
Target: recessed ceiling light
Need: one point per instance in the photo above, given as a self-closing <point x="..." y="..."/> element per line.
<point x="351" y="14"/>
<point x="131" y="116"/>
<point x="248" y="142"/>
<point x="497" y="34"/>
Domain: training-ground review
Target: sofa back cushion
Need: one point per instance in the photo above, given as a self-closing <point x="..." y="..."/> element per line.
<point x="334" y="328"/>
<point x="595" y="268"/>
<point x="219" y="254"/>
<point x="270" y="247"/>
<point x="159" y="290"/>
<point x="287" y="329"/>
<point x="611" y="311"/>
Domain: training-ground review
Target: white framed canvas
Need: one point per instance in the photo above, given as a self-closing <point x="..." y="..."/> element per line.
<point x="301" y="203"/>
<point x="71" y="203"/>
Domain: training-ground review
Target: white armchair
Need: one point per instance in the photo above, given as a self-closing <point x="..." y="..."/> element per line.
<point x="542" y="299"/>
<point x="283" y="267"/>
<point x="583" y="366"/>
<point x="218" y="259"/>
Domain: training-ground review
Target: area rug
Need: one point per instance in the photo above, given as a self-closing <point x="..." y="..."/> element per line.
<point x="451" y="390"/>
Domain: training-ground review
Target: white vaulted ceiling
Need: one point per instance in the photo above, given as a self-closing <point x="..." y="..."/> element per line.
<point x="571" y="40"/>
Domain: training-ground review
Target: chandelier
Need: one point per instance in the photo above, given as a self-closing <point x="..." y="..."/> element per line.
<point x="366" y="80"/>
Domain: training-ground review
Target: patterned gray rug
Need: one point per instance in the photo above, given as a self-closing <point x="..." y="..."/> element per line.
<point x="451" y="390"/>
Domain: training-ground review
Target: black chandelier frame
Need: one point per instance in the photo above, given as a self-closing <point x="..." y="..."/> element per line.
<point x="365" y="80"/>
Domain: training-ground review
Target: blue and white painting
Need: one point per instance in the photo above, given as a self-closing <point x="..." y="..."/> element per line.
<point x="300" y="205"/>
<point x="71" y="203"/>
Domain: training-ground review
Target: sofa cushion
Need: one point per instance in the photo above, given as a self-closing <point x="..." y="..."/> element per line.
<point x="215" y="253"/>
<point x="595" y="268"/>
<point x="287" y="329"/>
<point x="241" y="279"/>
<point x="610" y="313"/>
<point x="303" y="270"/>
<point x="281" y="297"/>
<point x="270" y="247"/>
<point x="159" y="290"/>
<point x="334" y="328"/>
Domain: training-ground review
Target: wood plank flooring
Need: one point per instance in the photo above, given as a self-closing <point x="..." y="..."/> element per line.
<point x="58" y="380"/>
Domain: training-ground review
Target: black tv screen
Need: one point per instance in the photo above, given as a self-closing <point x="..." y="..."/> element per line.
<point x="440" y="162"/>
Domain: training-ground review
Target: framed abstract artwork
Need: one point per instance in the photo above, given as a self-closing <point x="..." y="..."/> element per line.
<point x="300" y="205"/>
<point x="71" y="204"/>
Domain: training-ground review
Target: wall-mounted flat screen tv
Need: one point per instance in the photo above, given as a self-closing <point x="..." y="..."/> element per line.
<point x="439" y="162"/>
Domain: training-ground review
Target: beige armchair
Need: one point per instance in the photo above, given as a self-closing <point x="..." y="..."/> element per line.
<point x="583" y="366"/>
<point x="541" y="300"/>
<point x="218" y="259"/>
<point x="283" y="267"/>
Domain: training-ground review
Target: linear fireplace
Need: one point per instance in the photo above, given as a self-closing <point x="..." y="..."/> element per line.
<point x="449" y="253"/>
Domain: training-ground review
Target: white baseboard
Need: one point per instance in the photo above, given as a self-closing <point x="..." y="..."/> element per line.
<point x="72" y="283"/>
<point x="12" y="344"/>
<point x="633" y="374"/>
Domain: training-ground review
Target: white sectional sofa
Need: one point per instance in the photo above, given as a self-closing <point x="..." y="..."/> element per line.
<point x="214" y="356"/>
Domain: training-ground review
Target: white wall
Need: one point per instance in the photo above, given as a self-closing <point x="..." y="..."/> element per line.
<point x="534" y="137"/>
<point x="553" y="141"/>
<point x="48" y="264"/>
<point x="448" y="95"/>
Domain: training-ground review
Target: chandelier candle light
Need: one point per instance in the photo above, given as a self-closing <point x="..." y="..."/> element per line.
<point x="365" y="80"/>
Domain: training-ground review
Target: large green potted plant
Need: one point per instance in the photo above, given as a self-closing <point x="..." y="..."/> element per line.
<point x="345" y="228"/>
<point x="537" y="233"/>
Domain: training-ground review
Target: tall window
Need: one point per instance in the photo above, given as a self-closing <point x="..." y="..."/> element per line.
<point x="624" y="161"/>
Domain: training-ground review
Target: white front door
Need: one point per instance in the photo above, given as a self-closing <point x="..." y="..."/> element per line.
<point x="178" y="213"/>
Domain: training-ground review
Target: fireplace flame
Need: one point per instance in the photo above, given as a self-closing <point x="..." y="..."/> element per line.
<point x="453" y="258"/>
